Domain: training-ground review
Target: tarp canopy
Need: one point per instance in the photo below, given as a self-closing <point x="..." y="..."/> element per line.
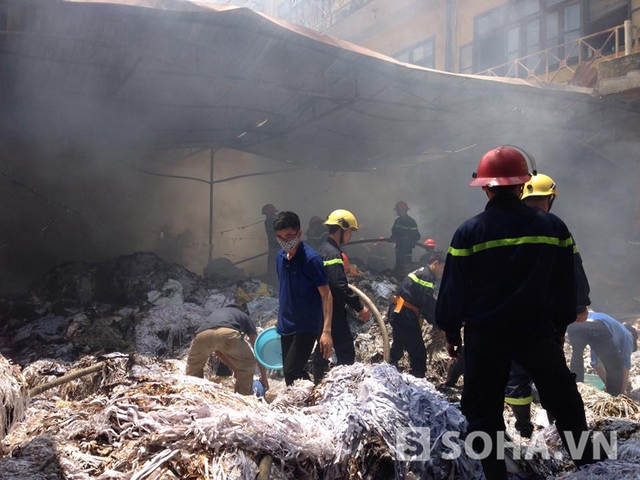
<point x="177" y="73"/>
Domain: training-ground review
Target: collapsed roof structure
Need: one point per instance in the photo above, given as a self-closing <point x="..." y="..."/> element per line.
<point x="173" y="73"/>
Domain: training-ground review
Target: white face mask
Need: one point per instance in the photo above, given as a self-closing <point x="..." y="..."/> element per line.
<point x="288" y="245"/>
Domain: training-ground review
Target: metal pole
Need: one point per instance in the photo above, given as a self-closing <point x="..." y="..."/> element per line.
<point x="627" y="37"/>
<point x="212" y="155"/>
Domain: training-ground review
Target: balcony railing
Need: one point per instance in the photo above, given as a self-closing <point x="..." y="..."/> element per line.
<point x="340" y="13"/>
<point x="561" y="61"/>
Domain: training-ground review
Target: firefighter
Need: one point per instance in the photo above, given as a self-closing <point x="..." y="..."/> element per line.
<point x="404" y="234"/>
<point x="316" y="233"/>
<point x="540" y="192"/>
<point x="430" y="246"/>
<point x="340" y="224"/>
<point x="269" y="211"/>
<point x="509" y="280"/>
<point x="413" y="302"/>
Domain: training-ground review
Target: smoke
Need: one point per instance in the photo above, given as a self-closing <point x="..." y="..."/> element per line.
<point x="72" y="188"/>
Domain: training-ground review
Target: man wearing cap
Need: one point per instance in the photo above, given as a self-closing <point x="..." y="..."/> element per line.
<point x="222" y="334"/>
<point x="509" y="280"/>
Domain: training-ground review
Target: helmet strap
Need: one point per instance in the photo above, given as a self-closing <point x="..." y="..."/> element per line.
<point x="551" y="200"/>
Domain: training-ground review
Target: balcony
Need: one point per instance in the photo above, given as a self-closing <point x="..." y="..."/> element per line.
<point x="339" y="10"/>
<point x="566" y="62"/>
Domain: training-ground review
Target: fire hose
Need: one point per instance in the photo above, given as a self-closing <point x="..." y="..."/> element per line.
<point x="376" y="313"/>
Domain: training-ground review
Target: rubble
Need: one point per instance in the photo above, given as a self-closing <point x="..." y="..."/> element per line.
<point x="164" y="424"/>
<point x="139" y="417"/>
<point x="13" y="396"/>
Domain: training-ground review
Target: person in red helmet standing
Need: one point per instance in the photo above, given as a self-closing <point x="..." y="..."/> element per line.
<point x="430" y="246"/>
<point x="316" y="233"/>
<point x="509" y="280"/>
<point x="269" y="211"/>
<point x="404" y="234"/>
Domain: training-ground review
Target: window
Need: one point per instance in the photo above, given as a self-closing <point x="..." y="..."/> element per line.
<point x="423" y="53"/>
<point x="513" y="43"/>
<point x="524" y="27"/>
<point x="465" y="59"/>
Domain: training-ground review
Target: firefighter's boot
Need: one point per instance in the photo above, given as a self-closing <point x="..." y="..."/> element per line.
<point x="523" y="419"/>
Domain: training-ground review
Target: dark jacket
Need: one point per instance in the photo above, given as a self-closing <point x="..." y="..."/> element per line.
<point x="509" y="268"/>
<point x="334" y="267"/>
<point x="405" y="232"/>
<point x="417" y="288"/>
<point x="582" y="283"/>
<point x="316" y="234"/>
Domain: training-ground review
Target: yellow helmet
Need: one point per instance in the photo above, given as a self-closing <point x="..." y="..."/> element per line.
<point x="343" y="218"/>
<point x="540" y="185"/>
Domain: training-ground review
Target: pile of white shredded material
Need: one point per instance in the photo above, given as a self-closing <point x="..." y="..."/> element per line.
<point x="166" y="425"/>
<point x="14" y="397"/>
<point x="140" y="418"/>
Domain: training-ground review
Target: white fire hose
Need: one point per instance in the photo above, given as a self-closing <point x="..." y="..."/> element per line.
<point x="376" y="313"/>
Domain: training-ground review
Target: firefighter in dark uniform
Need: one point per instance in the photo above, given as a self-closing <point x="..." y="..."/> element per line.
<point x="509" y="279"/>
<point x="316" y="233"/>
<point x="340" y="224"/>
<point x="404" y="234"/>
<point x="540" y="192"/>
<point x="413" y="302"/>
<point x="269" y="211"/>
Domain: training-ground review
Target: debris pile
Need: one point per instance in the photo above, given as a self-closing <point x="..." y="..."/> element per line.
<point x="137" y="416"/>
<point x="174" y="426"/>
<point x="14" y="397"/>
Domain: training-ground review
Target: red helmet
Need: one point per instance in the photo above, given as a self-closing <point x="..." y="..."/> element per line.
<point x="504" y="165"/>
<point x="268" y="209"/>
<point x="315" y="219"/>
<point x="430" y="242"/>
<point x="401" y="206"/>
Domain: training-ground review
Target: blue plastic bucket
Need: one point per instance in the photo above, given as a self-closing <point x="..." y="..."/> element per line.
<point x="268" y="349"/>
<point x="593" y="380"/>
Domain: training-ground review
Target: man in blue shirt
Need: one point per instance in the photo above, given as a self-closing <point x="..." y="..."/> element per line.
<point x="611" y="345"/>
<point x="306" y="305"/>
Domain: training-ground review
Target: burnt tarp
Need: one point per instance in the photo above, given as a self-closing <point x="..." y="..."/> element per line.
<point x="142" y="73"/>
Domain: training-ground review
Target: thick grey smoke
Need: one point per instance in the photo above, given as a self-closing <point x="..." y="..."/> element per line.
<point x="69" y="192"/>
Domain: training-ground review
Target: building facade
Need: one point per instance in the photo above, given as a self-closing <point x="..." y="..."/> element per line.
<point x="517" y="38"/>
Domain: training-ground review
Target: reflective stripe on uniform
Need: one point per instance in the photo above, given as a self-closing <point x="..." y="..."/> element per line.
<point x="519" y="401"/>
<point x="575" y="248"/>
<point x="406" y="228"/>
<point x="335" y="261"/>
<point x="510" y="242"/>
<point x="424" y="283"/>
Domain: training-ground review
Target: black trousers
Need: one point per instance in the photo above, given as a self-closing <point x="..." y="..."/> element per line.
<point x="598" y="337"/>
<point x="342" y="344"/>
<point x="272" y="274"/>
<point x="518" y="386"/>
<point x="407" y="336"/>
<point x="296" y="351"/>
<point x="488" y="355"/>
<point x="404" y="255"/>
